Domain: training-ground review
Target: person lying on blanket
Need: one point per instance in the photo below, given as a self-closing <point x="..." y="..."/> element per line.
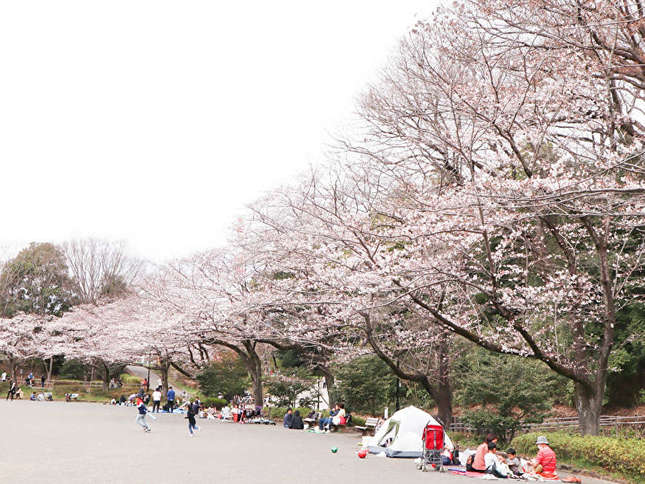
<point x="545" y="461"/>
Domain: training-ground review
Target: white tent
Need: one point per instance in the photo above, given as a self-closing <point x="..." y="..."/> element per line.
<point x="401" y="434"/>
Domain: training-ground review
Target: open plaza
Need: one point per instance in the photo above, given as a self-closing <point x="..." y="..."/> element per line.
<point x="58" y="442"/>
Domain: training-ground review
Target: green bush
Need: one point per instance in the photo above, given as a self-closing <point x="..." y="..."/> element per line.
<point x="278" y="412"/>
<point x="356" y="420"/>
<point x="622" y="456"/>
<point x="218" y="403"/>
<point x="127" y="378"/>
<point x="227" y="377"/>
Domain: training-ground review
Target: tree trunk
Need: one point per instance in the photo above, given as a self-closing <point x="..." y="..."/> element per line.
<point x="330" y="384"/>
<point x="164" y="368"/>
<point x="444" y="405"/>
<point x="254" y="367"/>
<point x="444" y="390"/>
<point x="12" y="370"/>
<point x="50" y="368"/>
<point x="589" y="405"/>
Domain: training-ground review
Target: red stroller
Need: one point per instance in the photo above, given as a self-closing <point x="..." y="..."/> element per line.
<point x="433" y="446"/>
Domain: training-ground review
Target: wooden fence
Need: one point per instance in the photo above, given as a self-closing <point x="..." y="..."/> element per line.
<point x="562" y="423"/>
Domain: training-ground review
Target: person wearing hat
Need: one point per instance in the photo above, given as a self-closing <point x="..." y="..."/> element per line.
<point x="545" y="461"/>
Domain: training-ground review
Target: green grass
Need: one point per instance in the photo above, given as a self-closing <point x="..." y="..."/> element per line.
<point x="75" y="386"/>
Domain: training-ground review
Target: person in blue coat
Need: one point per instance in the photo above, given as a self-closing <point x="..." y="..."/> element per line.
<point x="170" y="396"/>
<point x="288" y="419"/>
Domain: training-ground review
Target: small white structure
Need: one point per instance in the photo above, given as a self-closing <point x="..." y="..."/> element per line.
<point x="401" y="434"/>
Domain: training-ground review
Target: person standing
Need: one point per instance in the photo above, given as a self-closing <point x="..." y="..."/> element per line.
<point x="30" y="378"/>
<point x="12" y="389"/>
<point x="4" y="376"/>
<point x="141" y="416"/>
<point x="43" y="379"/>
<point x="190" y="415"/>
<point x="170" y="396"/>
<point x="156" y="400"/>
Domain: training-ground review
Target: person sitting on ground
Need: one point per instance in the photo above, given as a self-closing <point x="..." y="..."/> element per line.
<point x="545" y="462"/>
<point x="475" y="463"/>
<point x="288" y="419"/>
<point x="226" y="413"/>
<point x="18" y="394"/>
<point x="513" y="462"/>
<point x="32" y="397"/>
<point x="296" y="422"/>
<point x="493" y="464"/>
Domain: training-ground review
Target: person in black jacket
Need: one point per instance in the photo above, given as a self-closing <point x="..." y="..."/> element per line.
<point x="190" y="415"/>
<point x="296" y="421"/>
<point x="12" y="389"/>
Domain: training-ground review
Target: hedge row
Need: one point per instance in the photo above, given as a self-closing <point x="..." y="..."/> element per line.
<point x="618" y="455"/>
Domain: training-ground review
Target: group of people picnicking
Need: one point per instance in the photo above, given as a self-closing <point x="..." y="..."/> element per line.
<point x="15" y="392"/>
<point x="337" y="417"/>
<point x="487" y="460"/>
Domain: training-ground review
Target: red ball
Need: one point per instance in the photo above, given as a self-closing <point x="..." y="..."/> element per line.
<point x="362" y="454"/>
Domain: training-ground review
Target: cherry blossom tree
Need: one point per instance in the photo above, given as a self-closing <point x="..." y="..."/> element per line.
<point x="519" y="204"/>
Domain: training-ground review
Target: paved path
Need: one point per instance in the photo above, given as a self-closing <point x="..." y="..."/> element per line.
<point x="141" y="373"/>
<point x="57" y="442"/>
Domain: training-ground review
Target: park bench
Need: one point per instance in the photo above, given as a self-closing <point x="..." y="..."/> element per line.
<point x="312" y="421"/>
<point x="348" y="421"/>
<point x="370" y="424"/>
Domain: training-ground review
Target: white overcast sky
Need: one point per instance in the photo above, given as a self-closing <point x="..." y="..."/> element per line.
<point x="157" y="121"/>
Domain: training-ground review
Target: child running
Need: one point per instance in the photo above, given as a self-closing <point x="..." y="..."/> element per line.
<point x="190" y="415"/>
<point x="141" y="417"/>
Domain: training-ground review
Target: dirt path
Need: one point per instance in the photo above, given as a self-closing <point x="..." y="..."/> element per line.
<point x="90" y="443"/>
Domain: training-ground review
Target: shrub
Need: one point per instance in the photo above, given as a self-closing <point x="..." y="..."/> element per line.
<point x="218" y="403"/>
<point x="127" y="378"/>
<point x="483" y="422"/>
<point x="72" y="369"/>
<point x="227" y="377"/>
<point x="277" y="412"/>
<point x="359" y="421"/>
<point x="622" y="456"/>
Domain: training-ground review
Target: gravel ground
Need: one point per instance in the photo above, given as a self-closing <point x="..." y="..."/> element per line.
<point x="90" y="443"/>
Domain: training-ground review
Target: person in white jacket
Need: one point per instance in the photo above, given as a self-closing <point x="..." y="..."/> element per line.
<point x="493" y="464"/>
<point x="156" y="400"/>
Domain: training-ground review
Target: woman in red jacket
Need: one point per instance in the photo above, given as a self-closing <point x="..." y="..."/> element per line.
<point x="545" y="461"/>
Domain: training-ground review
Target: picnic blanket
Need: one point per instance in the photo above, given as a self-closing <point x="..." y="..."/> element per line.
<point x="481" y="475"/>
